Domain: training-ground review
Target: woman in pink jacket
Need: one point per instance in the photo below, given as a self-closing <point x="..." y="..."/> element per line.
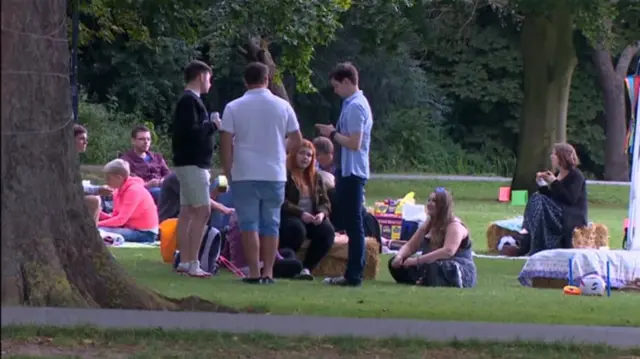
<point x="134" y="216"/>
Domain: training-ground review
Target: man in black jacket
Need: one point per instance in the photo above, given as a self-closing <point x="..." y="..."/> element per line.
<point x="192" y="145"/>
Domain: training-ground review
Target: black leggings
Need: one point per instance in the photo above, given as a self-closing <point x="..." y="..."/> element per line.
<point x="403" y="275"/>
<point x="293" y="232"/>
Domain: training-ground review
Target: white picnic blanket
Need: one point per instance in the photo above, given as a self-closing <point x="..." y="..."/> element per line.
<point x="117" y="241"/>
<point x="554" y="264"/>
<point x="511" y="224"/>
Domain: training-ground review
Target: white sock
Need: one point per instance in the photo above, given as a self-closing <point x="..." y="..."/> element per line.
<point x="305" y="271"/>
<point x="184" y="265"/>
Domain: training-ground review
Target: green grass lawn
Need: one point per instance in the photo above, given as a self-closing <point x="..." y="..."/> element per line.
<point x="32" y="342"/>
<point x="498" y="296"/>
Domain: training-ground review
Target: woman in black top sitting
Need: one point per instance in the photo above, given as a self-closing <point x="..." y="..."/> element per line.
<point x="559" y="206"/>
<point x="306" y="210"/>
<point x="447" y="257"/>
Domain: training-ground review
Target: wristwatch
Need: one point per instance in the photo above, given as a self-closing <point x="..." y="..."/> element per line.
<point x="332" y="136"/>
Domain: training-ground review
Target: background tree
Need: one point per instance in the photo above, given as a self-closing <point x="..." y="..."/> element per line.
<point x="448" y="73"/>
<point x="61" y="261"/>
<point x="620" y="44"/>
<point x="292" y="28"/>
<point x="549" y="59"/>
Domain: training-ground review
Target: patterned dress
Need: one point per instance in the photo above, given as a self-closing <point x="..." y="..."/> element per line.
<point x="543" y="220"/>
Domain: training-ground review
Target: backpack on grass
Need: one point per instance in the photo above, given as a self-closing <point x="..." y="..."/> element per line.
<point x="209" y="253"/>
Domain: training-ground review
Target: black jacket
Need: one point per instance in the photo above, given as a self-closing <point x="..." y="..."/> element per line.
<point x="192" y="133"/>
<point x="571" y="194"/>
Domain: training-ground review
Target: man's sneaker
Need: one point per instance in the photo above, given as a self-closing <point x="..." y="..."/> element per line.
<point x="261" y="280"/>
<point x="305" y="274"/>
<point x="248" y="280"/>
<point x="183" y="267"/>
<point x="267" y="280"/>
<point x="197" y="272"/>
<point x="340" y="281"/>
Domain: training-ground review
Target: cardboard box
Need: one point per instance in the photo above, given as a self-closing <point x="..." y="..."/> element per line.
<point x="390" y="225"/>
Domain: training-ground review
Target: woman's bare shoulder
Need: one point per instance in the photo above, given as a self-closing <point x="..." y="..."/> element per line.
<point x="458" y="226"/>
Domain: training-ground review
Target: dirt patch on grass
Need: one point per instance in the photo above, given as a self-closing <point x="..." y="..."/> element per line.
<point x="86" y="349"/>
<point x="44" y="347"/>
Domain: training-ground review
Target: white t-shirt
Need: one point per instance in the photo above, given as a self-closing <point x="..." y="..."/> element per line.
<point x="259" y="122"/>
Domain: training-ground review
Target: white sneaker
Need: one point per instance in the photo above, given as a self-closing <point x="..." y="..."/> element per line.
<point x="196" y="271"/>
<point x="183" y="267"/>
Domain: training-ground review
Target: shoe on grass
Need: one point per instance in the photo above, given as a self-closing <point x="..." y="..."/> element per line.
<point x="340" y="281"/>
<point x="305" y="274"/>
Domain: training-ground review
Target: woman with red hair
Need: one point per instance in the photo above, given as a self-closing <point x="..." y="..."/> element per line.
<point x="306" y="209"/>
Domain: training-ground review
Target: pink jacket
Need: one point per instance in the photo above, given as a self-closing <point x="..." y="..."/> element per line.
<point x="133" y="207"/>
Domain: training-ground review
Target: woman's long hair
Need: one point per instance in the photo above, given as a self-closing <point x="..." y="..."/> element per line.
<point x="305" y="179"/>
<point x="567" y="156"/>
<point x="442" y="218"/>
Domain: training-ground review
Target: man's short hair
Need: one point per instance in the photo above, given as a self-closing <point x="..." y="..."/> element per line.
<point x="256" y="73"/>
<point x="117" y="167"/>
<point x="136" y="130"/>
<point x="195" y="69"/>
<point x="323" y="145"/>
<point x="78" y="129"/>
<point x="344" y="70"/>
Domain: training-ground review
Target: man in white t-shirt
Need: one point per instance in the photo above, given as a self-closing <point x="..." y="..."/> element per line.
<point x="253" y="145"/>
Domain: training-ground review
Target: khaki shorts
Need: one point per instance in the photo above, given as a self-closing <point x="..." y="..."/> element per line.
<point x="194" y="185"/>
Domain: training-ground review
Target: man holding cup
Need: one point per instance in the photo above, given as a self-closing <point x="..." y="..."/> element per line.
<point x="192" y="145"/>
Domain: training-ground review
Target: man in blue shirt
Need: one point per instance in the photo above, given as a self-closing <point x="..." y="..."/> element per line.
<point x="351" y="137"/>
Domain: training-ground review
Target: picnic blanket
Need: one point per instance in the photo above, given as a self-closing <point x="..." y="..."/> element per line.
<point x="554" y="264"/>
<point x="511" y="224"/>
<point x="117" y="241"/>
<point x="155" y="244"/>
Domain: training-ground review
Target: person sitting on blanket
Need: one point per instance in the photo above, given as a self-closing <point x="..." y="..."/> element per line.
<point x="306" y="209"/>
<point x="559" y="206"/>
<point x="446" y="259"/>
<point x="169" y="203"/>
<point x="134" y="214"/>
<point x="92" y="193"/>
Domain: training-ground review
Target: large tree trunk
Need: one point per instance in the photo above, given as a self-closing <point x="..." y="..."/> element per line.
<point x="548" y="63"/>
<point x="611" y="79"/>
<point x="257" y="49"/>
<point x="52" y="254"/>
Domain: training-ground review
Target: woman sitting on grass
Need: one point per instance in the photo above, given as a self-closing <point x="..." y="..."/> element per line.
<point x="134" y="215"/>
<point x="305" y="211"/>
<point x="446" y="259"/>
<point x="559" y="206"/>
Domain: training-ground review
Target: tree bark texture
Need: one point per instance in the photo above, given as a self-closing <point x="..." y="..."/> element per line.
<point x="611" y="79"/>
<point x="52" y="254"/>
<point x="548" y="63"/>
<point x="257" y="50"/>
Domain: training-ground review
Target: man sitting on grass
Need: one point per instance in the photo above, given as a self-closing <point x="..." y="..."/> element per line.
<point x="92" y="193"/>
<point x="150" y="166"/>
<point x="324" y="154"/>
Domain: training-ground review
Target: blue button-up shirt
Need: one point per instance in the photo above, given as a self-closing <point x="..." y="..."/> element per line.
<point x="355" y="117"/>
